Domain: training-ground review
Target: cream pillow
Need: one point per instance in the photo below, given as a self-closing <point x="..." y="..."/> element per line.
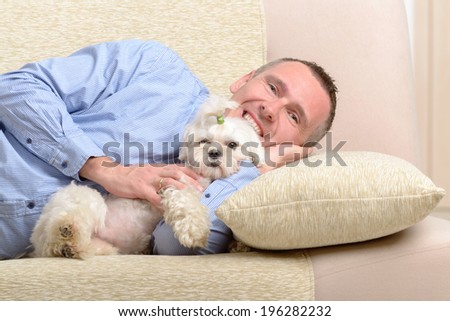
<point x="321" y="201"/>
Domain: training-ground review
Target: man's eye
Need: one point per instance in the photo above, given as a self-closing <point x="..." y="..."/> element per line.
<point x="294" y="117"/>
<point x="273" y="88"/>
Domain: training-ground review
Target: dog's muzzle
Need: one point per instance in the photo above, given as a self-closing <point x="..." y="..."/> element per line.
<point x="214" y="154"/>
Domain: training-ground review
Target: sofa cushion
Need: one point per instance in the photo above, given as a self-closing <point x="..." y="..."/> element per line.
<point x="223" y="277"/>
<point x="330" y="199"/>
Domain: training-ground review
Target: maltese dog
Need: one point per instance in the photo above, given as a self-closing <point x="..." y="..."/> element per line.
<point x="78" y="222"/>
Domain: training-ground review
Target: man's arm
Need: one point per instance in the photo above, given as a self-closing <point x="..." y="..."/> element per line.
<point x="37" y="102"/>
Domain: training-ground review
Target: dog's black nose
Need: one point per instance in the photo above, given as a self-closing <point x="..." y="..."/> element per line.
<point x="214" y="154"/>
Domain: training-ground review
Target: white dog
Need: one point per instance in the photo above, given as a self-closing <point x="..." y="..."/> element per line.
<point x="79" y="222"/>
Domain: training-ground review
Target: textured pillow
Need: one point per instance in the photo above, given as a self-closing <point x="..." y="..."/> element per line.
<point x="320" y="201"/>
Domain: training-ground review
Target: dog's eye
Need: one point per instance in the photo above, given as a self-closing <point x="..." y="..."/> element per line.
<point x="204" y="141"/>
<point x="232" y="145"/>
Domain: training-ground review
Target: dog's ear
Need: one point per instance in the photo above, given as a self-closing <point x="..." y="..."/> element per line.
<point x="231" y="104"/>
<point x="183" y="154"/>
<point x="257" y="156"/>
<point x="254" y="152"/>
<point x="188" y="139"/>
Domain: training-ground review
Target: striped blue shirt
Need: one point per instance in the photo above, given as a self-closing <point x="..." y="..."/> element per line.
<point x="128" y="99"/>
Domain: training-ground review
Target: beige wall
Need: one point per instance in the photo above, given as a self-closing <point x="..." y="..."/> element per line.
<point x="431" y="45"/>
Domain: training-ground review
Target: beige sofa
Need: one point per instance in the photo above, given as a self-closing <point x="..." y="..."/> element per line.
<point x="363" y="44"/>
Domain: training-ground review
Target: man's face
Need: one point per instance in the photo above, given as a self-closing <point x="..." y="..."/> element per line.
<point x="286" y="101"/>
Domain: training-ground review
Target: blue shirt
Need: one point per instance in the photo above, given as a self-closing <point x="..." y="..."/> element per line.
<point x="129" y="100"/>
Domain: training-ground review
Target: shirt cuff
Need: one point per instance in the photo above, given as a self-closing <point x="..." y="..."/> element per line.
<point x="73" y="153"/>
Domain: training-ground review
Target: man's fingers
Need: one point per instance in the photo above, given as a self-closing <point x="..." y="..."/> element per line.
<point x="179" y="177"/>
<point x="282" y="154"/>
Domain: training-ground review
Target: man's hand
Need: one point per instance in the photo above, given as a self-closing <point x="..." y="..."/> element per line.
<point x="143" y="182"/>
<point x="278" y="155"/>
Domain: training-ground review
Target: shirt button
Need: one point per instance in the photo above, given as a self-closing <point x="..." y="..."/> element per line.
<point x="207" y="195"/>
<point x="29" y="140"/>
<point x="30" y="205"/>
<point x="64" y="164"/>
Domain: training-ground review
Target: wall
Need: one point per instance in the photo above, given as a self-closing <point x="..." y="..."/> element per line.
<point x="431" y="52"/>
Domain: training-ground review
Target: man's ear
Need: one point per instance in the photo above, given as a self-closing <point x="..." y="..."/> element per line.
<point x="241" y="82"/>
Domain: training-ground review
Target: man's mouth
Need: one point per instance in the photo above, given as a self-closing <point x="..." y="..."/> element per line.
<point x="252" y="123"/>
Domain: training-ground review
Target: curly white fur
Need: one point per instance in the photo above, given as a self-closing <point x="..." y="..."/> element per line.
<point x="79" y="222"/>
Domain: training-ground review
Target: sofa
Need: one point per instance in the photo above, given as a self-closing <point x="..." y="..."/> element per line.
<point x="356" y="225"/>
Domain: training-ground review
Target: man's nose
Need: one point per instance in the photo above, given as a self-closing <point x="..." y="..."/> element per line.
<point x="271" y="110"/>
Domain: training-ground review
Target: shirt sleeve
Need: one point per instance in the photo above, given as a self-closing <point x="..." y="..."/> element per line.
<point x="37" y="102"/>
<point x="165" y="243"/>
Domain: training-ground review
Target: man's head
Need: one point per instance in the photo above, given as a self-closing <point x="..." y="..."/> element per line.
<point x="291" y="100"/>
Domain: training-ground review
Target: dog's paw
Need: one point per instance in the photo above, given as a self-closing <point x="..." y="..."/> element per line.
<point x="67" y="240"/>
<point x="70" y="238"/>
<point x="187" y="216"/>
<point x="237" y="247"/>
<point x="68" y="251"/>
<point x="192" y="229"/>
<point x="68" y="221"/>
<point x="193" y="236"/>
<point x="65" y="231"/>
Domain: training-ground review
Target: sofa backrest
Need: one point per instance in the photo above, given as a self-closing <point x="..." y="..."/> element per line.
<point x="365" y="46"/>
<point x="220" y="40"/>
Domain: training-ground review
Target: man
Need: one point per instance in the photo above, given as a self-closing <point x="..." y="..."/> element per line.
<point x="62" y="119"/>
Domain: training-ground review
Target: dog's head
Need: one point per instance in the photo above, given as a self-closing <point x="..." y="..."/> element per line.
<point x="215" y="146"/>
